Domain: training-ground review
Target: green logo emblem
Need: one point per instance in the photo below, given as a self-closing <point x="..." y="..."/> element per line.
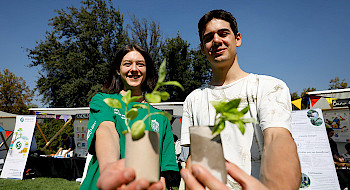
<point x="22" y="119"/>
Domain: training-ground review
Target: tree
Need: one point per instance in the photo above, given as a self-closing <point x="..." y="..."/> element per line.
<point x="74" y="57"/>
<point x="188" y="67"/>
<point x="15" y="95"/>
<point x="148" y="35"/>
<point x="337" y="84"/>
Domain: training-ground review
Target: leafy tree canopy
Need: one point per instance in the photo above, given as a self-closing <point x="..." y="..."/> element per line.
<point x="75" y="55"/>
<point x="15" y="95"/>
<point x="337" y="84"/>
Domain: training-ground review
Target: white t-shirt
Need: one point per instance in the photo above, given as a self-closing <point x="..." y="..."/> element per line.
<point x="270" y="104"/>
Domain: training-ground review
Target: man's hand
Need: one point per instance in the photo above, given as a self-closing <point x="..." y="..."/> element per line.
<point x="116" y="176"/>
<point x="201" y="178"/>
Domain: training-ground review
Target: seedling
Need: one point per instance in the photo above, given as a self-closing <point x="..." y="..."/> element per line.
<point x="227" y="111"/>
<point x="138" y="127"/>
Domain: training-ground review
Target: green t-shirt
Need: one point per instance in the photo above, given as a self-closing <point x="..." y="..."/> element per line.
<point x="100" y="111"/>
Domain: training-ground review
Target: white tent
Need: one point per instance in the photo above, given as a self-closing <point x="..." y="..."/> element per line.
<point x="339" y="99"/>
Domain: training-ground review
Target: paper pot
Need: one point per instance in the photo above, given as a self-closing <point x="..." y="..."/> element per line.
<point x="142" y="155"/>
<point x="206" y="150"/>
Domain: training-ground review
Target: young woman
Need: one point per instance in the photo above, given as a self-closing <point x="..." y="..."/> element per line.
<point x="132" y="69"/>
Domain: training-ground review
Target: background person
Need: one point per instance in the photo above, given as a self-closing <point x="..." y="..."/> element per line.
<point x="67" y="143"/>
<point x="269" y="101"/>
<point x="132" y="69"/>
<point x="334" y="147"/>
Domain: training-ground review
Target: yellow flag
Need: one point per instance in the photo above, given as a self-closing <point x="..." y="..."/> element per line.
<point x="297" y="103"/>
<point x="330" y="101"/>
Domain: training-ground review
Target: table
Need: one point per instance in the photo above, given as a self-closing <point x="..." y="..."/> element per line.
<point x="67" y="168"/>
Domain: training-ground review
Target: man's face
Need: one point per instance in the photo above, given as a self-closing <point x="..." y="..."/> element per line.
<point x="219" y="42"/>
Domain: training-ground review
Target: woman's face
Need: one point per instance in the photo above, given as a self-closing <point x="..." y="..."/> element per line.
<point x="133" y="70"/>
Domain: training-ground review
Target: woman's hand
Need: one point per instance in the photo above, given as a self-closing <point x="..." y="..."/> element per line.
<point x="116" y="176"/>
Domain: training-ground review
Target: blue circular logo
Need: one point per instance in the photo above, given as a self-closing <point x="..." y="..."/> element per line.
<point x="18" y="145"/>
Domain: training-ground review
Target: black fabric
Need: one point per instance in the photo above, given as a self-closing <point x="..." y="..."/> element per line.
<point x="172" y="178"/>
<point x="67" y="168"/>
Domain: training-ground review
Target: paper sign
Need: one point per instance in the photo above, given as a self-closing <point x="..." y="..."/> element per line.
<point x="317" y="166"/>
<point x="17" y="155"/>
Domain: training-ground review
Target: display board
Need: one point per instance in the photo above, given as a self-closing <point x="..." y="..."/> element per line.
<point x="317" y="166"/>
<point x="339" y="121"/>
<point x="80" y="128"/>
<point x="19" y="148"/>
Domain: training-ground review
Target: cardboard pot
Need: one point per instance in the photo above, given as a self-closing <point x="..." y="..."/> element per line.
<point x="206" y="150"/>
<point x="142" y="155"/>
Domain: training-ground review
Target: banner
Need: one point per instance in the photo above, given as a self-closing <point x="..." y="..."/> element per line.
<point x="317" y="166"/>
<point x="19" y="148"/>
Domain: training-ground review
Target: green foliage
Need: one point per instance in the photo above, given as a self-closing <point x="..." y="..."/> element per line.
<point x="15" y="95"/>
<point x="337" y="84"/>
<point x="75" y="55"/>
<point x="39" y="183"/>
<point x="147" y="34"/>
<point x="138" y="127"/>
<point x="50" y="127"/>
<point x="188" y="67"/>
<point x="227" y="111"/>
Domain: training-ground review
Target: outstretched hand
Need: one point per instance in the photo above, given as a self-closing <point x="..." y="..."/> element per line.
<point x="201" y="178"/>
<point x="116" y="176"/>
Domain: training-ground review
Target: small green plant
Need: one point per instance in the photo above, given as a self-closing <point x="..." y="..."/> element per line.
<point x="138" y="127"/>
<point x="227" y="111"/>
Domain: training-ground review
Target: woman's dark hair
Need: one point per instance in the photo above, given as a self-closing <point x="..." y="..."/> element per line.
<point x="218" y="14"/>
<point x="114" y="83"/>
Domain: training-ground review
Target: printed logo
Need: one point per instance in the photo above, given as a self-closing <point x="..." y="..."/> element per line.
<point x="22" y="119"/>
<point x="155" y="125"/>
<point x="18" y="145"/>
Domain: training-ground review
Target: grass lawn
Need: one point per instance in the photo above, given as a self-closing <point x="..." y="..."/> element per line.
<point x="39" y="183"/>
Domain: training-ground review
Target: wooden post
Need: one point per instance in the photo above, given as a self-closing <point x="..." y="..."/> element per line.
<point x="4" y="141"/>
<point x="42" y="134"/>
<point x="47" y="144"/>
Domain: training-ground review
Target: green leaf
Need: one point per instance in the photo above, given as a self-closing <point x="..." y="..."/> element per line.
<point x="232" y="117"/>
<point x="140" y="106"/>
<point x="138" y="129"/>
<point x="132" y="113"/>
<point x="240" y="126"/>
<point x="245" y="110"/>
<point x="219" y="106"/>
<point x="249" y="120"/>
<point x="174" y="83"/>
<point x="232" y="104"/>
<point x="133" y="99"/>
<point x="166" y="114"/>
<point x="114" y="103"/>
<point x="164" y="95"/>
<point x="153" y="97"/>
<point x="162" y="72"/>
<point x="126" y="96"/>
<point x="219" y="127"/>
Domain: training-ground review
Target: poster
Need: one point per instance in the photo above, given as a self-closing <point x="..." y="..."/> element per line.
<point x="339" y="121"/>
<point x="80" y="128"/>
<point x="19" y="148"/>
<point x="317" y="166"/>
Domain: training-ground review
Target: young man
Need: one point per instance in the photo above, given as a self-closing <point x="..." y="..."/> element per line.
<point x="68" y="143"/>
<point x="269" y="100"/>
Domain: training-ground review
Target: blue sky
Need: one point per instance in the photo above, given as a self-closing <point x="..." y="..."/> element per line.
<point x="303" y="42"/>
